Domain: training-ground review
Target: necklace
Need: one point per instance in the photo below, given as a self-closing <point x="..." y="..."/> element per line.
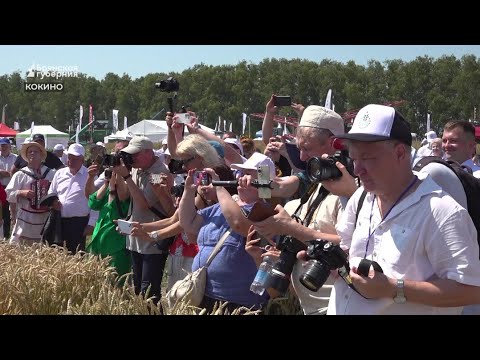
<point x="370" y="232"/>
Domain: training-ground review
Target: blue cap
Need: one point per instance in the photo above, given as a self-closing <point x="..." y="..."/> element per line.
<point x="217" y="146"/>
<point x="4" y="141"/>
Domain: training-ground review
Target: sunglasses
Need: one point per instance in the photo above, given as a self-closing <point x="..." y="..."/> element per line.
<point x="186" y="161"/>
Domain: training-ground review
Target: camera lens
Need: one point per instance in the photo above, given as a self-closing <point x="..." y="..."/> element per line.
<point x="315" y="275"/>
<point x="319" y="169"/>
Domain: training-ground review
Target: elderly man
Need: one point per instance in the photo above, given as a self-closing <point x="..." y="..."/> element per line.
<point x="148" y="259"/>
<point x="7" y="159"/>
<point x="59" y="151"/>
<point x="69" y="184"/>
<point x="423" y="241"/>
<point x="25" y="190"/>
<point x="51" y="161"/>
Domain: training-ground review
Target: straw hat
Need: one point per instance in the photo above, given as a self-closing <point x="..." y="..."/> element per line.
<point x="26" y="145"/>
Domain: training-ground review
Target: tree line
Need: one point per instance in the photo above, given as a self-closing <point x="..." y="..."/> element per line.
<point x="447" y="87"/>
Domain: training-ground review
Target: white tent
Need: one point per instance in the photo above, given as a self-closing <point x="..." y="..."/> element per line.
<point x="52" y="136"/>
<point x="155" y="130"/>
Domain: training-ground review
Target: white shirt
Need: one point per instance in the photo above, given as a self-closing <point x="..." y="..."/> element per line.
<point x="6" y="163"/>
<point x="71" y="193"/>
<point x="475" y="168"/>
<point x="426" y="234"/>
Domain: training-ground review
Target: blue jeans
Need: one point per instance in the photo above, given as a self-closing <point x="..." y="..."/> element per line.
<point x="148" y="270"/>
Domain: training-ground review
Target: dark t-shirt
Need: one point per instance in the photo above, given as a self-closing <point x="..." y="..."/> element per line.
<point x="52" y="162"/>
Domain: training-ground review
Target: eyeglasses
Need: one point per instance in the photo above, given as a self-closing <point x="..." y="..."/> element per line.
<point x="186" y="161"/>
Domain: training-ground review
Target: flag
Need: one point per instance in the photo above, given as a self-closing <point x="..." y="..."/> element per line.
<point x="231" y="126"/>
<point x="77" y="133"/>
<point x="244" y="120"/>
<point x="31" y="130"/>
<point x="216" y="126"/>
<point x="16" y="125"/>
<point x="285" y="131"/>
<point x="428" y="121"/>
<point x="115" y="121"/>
<point x="328" y="100"/>
<point x="3" y="113"/>
<point x="224" y="125"/>
<point x="80" y="117"/>
<point x="90" y="118"/>
<point x="125" y="123"/>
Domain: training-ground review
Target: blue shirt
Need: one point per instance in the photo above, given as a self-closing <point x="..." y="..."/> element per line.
<point x="232" y="271"/>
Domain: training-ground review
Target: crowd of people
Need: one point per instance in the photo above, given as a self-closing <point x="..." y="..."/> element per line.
<point x="386" y="239"/>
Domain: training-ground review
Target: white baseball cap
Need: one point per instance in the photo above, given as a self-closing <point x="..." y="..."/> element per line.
<point x="58" y="147"/>
<point x="76" y="150"/>
<point x="255" y="161"/>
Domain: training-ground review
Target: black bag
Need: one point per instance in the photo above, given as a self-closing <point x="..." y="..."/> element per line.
<point x="471" y="185"/>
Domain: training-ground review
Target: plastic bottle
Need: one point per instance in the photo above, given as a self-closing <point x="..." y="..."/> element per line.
<point x="258" y="284"/>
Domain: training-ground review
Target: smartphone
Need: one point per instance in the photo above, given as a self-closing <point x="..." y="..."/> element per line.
<point x="99" y="160"/>
<point x="260" y="211"/>
<point x="183" y="118"/>
<point x="124" y="226"/>
<point x="277" y="132"/>
<point x="282" y="101"/>
<point x="202" y="178"/>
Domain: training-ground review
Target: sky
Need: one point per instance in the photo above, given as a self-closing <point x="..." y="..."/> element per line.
<point x="140" y="60"/>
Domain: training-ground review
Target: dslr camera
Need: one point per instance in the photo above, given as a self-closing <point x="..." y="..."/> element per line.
<point x="319" y="169"/>
<point x="169" y="85"/>
<point x="279" y="277"/>
<point x="323" y="256"/>
<point x="114" y="160"/>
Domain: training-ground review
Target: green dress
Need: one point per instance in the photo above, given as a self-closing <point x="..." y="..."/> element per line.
<point x="106" y="241"/>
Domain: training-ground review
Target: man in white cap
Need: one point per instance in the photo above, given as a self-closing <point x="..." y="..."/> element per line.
<point x="25" y="189"/>
<point x="59" y="151"/>
<point x="69" y="184"/>
<point x="426" y="149"/>
<point x="412" y="249"/>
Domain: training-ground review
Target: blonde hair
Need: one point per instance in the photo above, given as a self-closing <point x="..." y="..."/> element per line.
<point x="196" y="145"/>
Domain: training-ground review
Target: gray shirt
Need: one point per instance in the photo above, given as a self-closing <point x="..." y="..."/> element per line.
<point x="142" y="179"/>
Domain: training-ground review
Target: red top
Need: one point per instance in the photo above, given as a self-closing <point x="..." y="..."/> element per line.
<point x="188" y="250"/>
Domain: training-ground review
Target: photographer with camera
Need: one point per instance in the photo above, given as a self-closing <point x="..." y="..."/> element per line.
<point x="233" y="270"/>
<point x="184" y="247"/>
<point x="316" y="213"/>
<point x="423" y="242"/>
<point x="112" y="201"/>
<point x="148" y="260"/>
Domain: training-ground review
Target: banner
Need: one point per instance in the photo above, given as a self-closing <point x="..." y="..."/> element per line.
<point x="224" y="125"/>
<point x="80" y="116"/>
<point x="285" y="131"/>
<point x="244" y="122"/>
<point x="115" y="121"/>
<point x="77" y="133"/>
<point x="219" y="123"/>
<point x="125" y="124"/>
<point x="90" y="120"/>
<point x="31" y="130"/>
<point x="16" y="125"/>
<point x="428" y="121"/>
<point x="231" y="126"/>
<point x="328" y="100"/>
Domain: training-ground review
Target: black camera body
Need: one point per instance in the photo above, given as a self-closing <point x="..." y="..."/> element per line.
<point x="323" y="257"/>
<point x="169" y="85"/>
<point x="114" y="159"/>
<point x="319" y="169"/>
<point x="177" y="190"/>
<point x="283" y="267"/>
<point x="176" y="167"/>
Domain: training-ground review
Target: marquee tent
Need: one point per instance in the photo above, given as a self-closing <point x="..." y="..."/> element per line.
<point x="155" y="130"/>
<point x="5" y="131"/>
<point x="52" y="136"/>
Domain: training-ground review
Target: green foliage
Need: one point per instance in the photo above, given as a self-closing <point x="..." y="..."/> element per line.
<point x="447" y="87"/>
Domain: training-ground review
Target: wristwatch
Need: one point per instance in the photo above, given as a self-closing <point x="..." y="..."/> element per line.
<point x="400" y="296"/>
<point x="154" y="235"/>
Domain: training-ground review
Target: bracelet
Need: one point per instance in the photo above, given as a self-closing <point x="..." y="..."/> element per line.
<point x="127" y="177"/>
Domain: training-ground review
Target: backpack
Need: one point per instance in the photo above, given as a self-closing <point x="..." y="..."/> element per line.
<point x="471" y="185"/>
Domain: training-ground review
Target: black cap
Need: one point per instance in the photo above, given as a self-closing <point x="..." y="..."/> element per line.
<point x="38" y="137"/>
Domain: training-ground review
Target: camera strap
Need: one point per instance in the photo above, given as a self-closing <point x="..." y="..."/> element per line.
<point x="363" y="269"/>
<point x="303" y="200"/>
<point x="322" y="194"/>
